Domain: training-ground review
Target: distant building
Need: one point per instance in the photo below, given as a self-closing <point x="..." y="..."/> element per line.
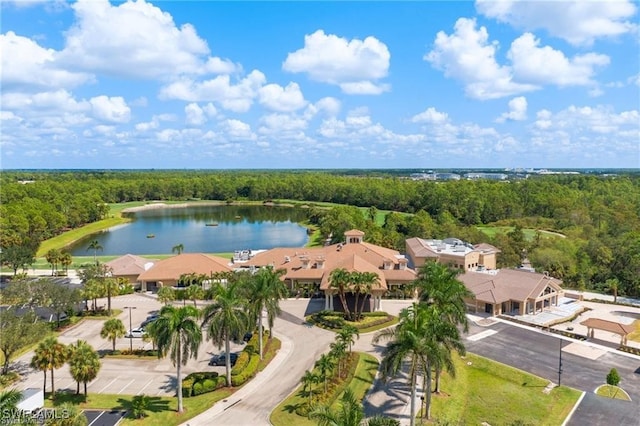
<point x="489" y="176"/>
<point x="167" y="272"/>
<point x="129" y="267"/>
<point x="451" y="251"/>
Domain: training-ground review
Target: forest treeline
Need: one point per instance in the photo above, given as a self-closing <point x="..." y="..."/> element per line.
<point x="599" y="215"/>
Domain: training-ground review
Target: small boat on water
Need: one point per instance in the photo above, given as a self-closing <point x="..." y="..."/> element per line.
<point x="151" y="236"/>
<point x="211" y="224"/>
<point x="238" y="217"/>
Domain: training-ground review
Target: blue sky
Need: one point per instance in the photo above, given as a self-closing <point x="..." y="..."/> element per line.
<point x="205" y="84"/>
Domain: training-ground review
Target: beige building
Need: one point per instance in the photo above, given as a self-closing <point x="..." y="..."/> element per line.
<point x="168" y="271"/>
<point x="452" y="252"/>
<point x="312" y="266"/>
<point x="129" y="267"/>
<point x="511" y="291"/>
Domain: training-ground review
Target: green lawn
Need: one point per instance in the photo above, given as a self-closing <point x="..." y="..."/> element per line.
<point x="487" y="391"/>
<point x="284" y="414"/>
<point x="529" y="233"/>
<point x="614" y="392"/>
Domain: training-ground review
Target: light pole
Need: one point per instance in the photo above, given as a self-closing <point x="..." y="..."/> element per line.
<point x="130" y="329"/>
<point x="560" y="365"/>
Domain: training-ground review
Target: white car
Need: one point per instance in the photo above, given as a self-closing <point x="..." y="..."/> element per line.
<point x="136" y="332"/>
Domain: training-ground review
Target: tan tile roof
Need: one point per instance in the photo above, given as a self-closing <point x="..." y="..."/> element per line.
<point x="354" y="233"/>
<point x="612" y="326"/>
<point x="507" y="284"/>
<point x="173" y="267"/>
<point x="486" y="248"/>
<point x="129" y="264"/>
<point x="419" y="248"/>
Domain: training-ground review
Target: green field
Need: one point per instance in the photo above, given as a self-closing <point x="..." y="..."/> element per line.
<point x="487" y="391"/>
<point x="529" y="233"/>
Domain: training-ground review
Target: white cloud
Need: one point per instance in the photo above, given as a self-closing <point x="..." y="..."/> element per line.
<point x="467" y="55"/>
<point x="329" y="106"/>
<point x="112" y="109"/>
<point x="579" y="22"/>
<point x="236" y="130"/>
<point x="282" y="99"/>
<point x="194" y="115"/>
<point x="355" y="65"/>
<point x="545" y="65"/>
<point x="430" y="116"/>
<point x="517" y="110"/>
<point x="235" y="97"/>
<point x="26" y="64"/>
<point x="154" y="123"/>
<point x="135" y="39"/>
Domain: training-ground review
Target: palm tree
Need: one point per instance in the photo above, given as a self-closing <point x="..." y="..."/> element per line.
<point x="50" y="354"/>
<point x="40" y="361"/>
<point x="408" y="340"/>
<point x="338" y="352"/>
<point x="265" y="290"/>
<point x="66" y="260"/>
<point x="179" y="248"/>
<point x="113" y="329"/>
<point x="178" y="333"/>
<point x="339" y="279"/>
<point x="307" y="380"/>
<point x="438" y="285"/>
<point x="84" y="364"/>
<point x="194" y="292"/>
<point x="9" y="400"/>
<point x="95" y="246"/>
<point x="166" y="295"/>
<point x="325" y="365"/>
<point x="53" y="257"/>
<point x="226" y="317"/>
<point x="92" y="290"/>
<point x="111" y="287"/>
<point x="346" y="334"/>
<point x="362" y="284"/>
<point x="350" y="412"/>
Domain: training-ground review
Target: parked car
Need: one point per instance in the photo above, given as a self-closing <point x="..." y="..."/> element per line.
<point x="136" y="332"/>
<point x="221" y="359"/>
<point x="247" y="336"/>
<point x="147" y="322"/>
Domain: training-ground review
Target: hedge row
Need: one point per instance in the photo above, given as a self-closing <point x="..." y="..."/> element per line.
<point x="248" y="372"/>
<point x="202" y="382"/>
<point x="332" y="321"/>
<point x="545" y="328"/>
<point x="629" y="349"/>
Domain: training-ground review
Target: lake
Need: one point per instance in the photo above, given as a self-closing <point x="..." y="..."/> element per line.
<point x="201" y="229"/>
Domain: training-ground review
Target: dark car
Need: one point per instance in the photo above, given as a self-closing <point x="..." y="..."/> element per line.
<point x="221" y="359"/>
<point x="247" y="336"/>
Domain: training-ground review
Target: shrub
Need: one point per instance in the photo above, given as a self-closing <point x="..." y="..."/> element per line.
<point x="241" y="362"/>
<point x="197" y="389"/>
<point x="248" y="372"/>
<point x="613" y="378"/>
<point x="139" y="406"/>
<point x="201" y="382"/>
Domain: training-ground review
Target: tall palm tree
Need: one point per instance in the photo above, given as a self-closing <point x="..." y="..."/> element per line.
<point x="308" y="380"/>
<point x="407" y="340"/>
<point x="346" y="334"/>
<point x="179" y="248"/>
<point x="325" y="364"/>
<point x="339" y="279"/>
<point x="349" y="413"/>
<point x="226" y="317"/>
<point x="166" y="295"/>
<point x="194" y="292"/>
<point x="178" y="334"/>
<point x="95" y="246"/>
<point x="53" y="257"/>
<point x="50" y="354"/>
<point x="113" y="329"/>
<point x="40" y="361"/>
<point x="338" y="352"/>
<point x="84" y="364"/>
<point x="265" y="290"/>
<point x="438" y="286"/>
<point x="66" y="260"/>
<point x="111" y="287"/>
<point x="362" y="284"/>
<point x="613" y="284"/>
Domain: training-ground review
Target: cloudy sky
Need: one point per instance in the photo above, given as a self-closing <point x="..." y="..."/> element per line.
<point x="207" y="84"/>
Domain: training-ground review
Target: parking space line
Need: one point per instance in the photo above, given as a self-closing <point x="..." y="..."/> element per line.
<point x="96" y="419"/>
<point x="126" y="386"/>
<point x="110" y="383"/>
<point x="144" y="387"/>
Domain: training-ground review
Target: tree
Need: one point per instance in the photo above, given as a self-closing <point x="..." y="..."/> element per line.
<point x="179" y="248"/>
<point x="113" y="329"/>
<point x="9" y="400"/>
<point x="95" y="246"/>
<point x="139" y="406"/>
<point x="438" y="286"/>
<point x="339" y="279"/>
<point x="350" y="412"/>
<point x="84" y="364"/>
<point x="50" y="354"/>
<point x="325" y="365"/>
<point x="346" y="334"/>
<point x="308" y="380"/>
<point x="66" y="260"/>
<point x="53" y="257"/>
<point x="265" y="290"/>
<point x="179" y="335"/>
<point x="362" y="284"/>
<point x="613" y="284"/>
<point x="17" y="332"/>
<point x="59" y="298"/>
<point x="194" y="292"/>
<point x="166" y="295"/>
<point x="613" y="378"/>
<point x="226" y="317"/>
<point x="338" y="352"/>
<point x="18" y="256"/>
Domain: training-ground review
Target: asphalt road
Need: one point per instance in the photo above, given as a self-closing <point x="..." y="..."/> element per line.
<point x="538" y="353"/>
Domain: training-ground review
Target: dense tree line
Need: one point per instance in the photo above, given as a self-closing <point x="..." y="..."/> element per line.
<point x="600" y="215"/>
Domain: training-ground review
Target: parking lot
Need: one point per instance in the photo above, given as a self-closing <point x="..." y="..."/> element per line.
<point x="150" y="376"/>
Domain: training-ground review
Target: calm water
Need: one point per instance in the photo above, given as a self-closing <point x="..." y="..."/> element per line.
<point x="239" y="228"/>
